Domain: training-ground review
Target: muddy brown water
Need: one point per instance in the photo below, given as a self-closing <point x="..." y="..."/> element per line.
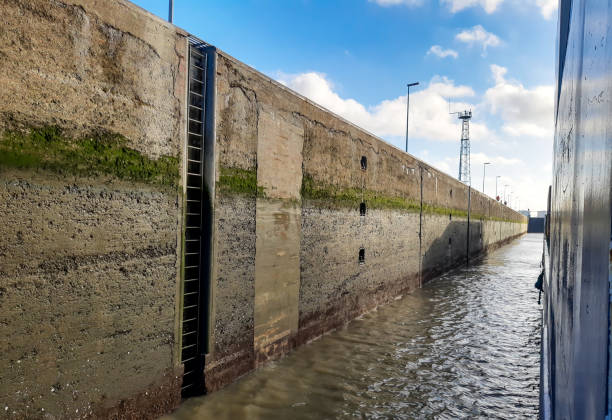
<point x="466" y="345"/>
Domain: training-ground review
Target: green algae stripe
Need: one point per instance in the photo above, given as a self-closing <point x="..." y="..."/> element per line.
<point x="334" y="196"/>
<point x="330" y="196"/>
<point x="244" y="182"/>
<point x="101" y="154"/>
<point x="239" y="181"/>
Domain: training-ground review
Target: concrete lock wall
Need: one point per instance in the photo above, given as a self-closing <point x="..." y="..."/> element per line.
<point x="92" y="173"/>
<point x="289" y="228"/>
<point x="92" y="122"/>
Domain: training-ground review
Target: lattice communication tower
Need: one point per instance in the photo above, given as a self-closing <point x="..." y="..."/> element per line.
<point x="464" y="154"/>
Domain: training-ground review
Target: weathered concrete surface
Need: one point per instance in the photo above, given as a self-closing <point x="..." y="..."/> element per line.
<point x="294" y="153"/>
<point x="277" y="263"/>
<point x="277" y="277"/>
<point x="90" y="65"/>
<point x="233" y="285"/>
<point x="234" y="290"/>
<point x="88" y="280"/>
<point x="334" y="286"/>
<point x="89" y="268"/>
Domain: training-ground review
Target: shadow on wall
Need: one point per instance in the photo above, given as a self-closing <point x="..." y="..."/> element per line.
<point x="449" y="250"/>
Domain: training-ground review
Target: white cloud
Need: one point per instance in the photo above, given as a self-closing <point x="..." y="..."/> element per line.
<point x="429" y="117"/>
<point x="478" y="36"/>
<point x="480" y="158"/>
<point x="525" y="189"/>
<point x="386" y="3"/>
<point x="441" y="52"/>
<point x="446" y="165"/>
<point x="497" y="164"/>
<point x="525" y="112"/>
<point x="547" y="7"/>
<point x="520" y="182"/>
<point x="489" y="6"/>
<point x="499" y="73"/>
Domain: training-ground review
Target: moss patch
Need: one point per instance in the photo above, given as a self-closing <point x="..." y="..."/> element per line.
<point x="101" y="154"/>
<point x="495" y="219"/>
<point x="328" y="196"/>
<point x="444" y="211"/>
<point x="335" y="197"/>
<point x="239" y="181"/>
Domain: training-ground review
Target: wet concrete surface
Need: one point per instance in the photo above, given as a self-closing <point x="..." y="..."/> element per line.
<point x="464" y="346"/>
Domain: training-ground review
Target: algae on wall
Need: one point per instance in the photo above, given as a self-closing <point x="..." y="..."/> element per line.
<point x="98" y="154"/>
<point x="334" y="197"/>
<point x="239" y="181"/>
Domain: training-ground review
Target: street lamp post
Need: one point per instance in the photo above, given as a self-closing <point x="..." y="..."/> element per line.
<point x="484" y="171"/>
<point x="496" y="178"/>
<point x="171" y="11"/>
<point x="408" y="110"/>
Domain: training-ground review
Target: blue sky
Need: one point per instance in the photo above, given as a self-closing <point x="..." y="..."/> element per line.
<point x="355" y="57"/>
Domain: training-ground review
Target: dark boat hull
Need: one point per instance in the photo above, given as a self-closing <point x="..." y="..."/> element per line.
<point x="576" y="311"/>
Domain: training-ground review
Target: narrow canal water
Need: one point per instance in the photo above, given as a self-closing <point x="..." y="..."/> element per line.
<point x="464" y="346"/>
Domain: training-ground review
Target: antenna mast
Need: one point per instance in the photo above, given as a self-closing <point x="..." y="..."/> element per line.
<point x="464" y="154"/>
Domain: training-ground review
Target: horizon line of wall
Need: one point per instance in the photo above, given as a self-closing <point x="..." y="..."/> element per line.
<point x="175" y="218"/>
